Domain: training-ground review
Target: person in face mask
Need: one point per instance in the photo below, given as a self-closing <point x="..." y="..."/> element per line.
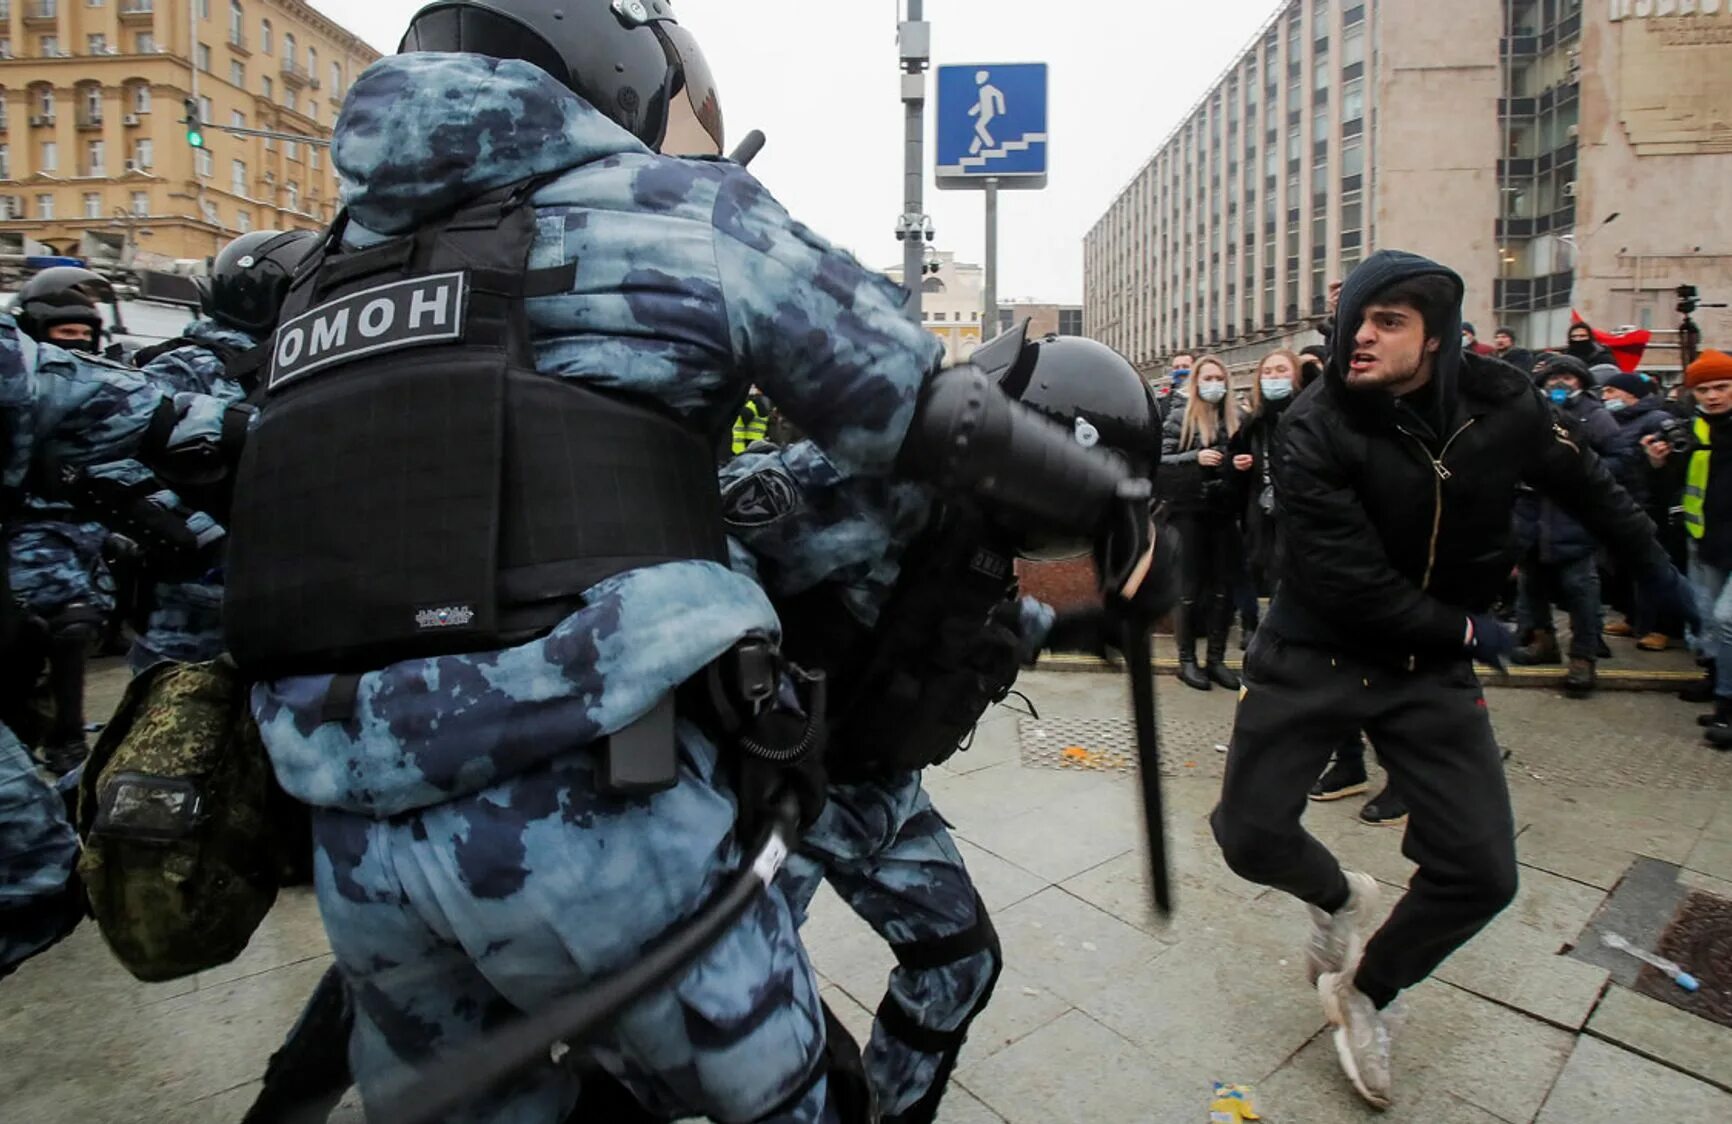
<point x="1559" y="555"/>
<point x="1278" y="381"/>
<point x="1171" y="397"/>
<point x="1641" y="413"/>
<point x="1201" y="496"/>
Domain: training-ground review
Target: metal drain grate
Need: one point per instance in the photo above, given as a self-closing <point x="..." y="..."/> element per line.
<point x="1700" y="939"/>
<point x="1110" y="745"/>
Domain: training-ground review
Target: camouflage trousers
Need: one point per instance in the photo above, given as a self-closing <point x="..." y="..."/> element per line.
<point x="56" y="563"/>
<point x="185" y="626"/>
<point x="887" y="852"/>
<point x="449" y="920"/>
<point x="39" y="900"/>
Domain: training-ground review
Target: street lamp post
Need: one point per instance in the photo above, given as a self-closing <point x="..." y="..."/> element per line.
<point x="914" y="37"/>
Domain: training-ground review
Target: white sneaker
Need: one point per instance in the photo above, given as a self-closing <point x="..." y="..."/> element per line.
<point x="1338" y="938"/>
<point x="1363" y="1037"/>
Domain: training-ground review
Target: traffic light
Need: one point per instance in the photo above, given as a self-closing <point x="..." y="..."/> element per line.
<point x="194" y="136"/>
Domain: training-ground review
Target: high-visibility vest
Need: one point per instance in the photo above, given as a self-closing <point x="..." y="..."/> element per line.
<point x="1696" y="483"/>
<point x="752" y="425"/>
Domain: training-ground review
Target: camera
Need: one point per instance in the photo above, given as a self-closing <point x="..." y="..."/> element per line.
<point x="1689" y="299"/>
<point x="1677" y="433"/>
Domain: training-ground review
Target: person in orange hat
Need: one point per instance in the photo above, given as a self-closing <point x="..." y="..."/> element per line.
<point x="1707" y="507"/>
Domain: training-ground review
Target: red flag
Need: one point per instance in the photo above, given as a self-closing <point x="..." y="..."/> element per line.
<point x="1627" y="348"/>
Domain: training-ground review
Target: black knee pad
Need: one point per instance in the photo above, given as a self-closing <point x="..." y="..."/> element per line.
<point x="77" y="621"/>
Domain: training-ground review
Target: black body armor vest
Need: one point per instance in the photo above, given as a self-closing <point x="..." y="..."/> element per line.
<point x="905" y="693"/>
<point x="413" y="486"/>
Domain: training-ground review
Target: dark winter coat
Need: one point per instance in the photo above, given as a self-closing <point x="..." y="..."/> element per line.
<point x="1395" y="521"/>
<point x="1628" y="460"/>
<point x="1257" y="438"/>
<point x="1544" y="531"/>
<point x="1188" y="487"/>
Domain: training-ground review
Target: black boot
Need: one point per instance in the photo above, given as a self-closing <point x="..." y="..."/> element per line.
<point x="1721" y="715"/>
<point x="1701" y="691"/>
<point x="1185" y="636"/>
<point x="1579" y="682"/>
<point x="1218" y="671"/>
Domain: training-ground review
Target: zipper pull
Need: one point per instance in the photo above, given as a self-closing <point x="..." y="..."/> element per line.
<point x="1442" y="472"/>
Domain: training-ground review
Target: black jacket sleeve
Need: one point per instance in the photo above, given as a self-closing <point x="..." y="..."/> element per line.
<point x="1335" y="558"/>
<point x="1571" y="475"/>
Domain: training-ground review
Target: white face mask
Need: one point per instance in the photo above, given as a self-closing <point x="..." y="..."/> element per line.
<point x="1212" y="392"/>
<point x="1277" y="389"/>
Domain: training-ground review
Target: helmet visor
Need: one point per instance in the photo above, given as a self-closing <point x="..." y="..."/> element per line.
<point x="695" y="110"/>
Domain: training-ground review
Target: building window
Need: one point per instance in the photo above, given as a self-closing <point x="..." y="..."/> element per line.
<point x="92" y="205"/>
<point x="202" y="54"/>
<point x="209" y="210"/>
<point x="5" y="162"/>
<point x="96" y="44"/>
<point x="1353" y="100"/>
<point x="237" y="119"/>
<point x="243" y="221"/>
<point x="267" y="87"/>
<point x="143" y="154"/>
<point x="146" y="43"/>
<point x="292" y="149"/>
<point x="50" y="46"/>
<point x="336" y="80"/>
<point x="238" y="174"/>
<point x="1353" y="158"/>
<point x="1353" y="45"/>
<point x="289" y="48"/>
<point x="205" y="162"/>
<point x="45" y="206"/>
<point x="140" y="204"/>
<point x="205" y="110"/>
<point x="50" y="156"/>
<point x="292" y="193"/>
<point x="313" y="157"/>
<point x="237" y="74"/>
<point x="93" y="103"/>
<point x="237" y="23"/>
<point x="265" y="36"/>
<point x="5" y="48"/>
<point x="312" y="62"/>
<point x="45" y="100"/>
<point x="96" y="155"/>
<point x="141" y="98"/>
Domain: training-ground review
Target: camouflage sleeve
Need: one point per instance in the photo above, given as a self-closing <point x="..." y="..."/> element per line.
<point x="17" y="416"/>
<point x="804" y="523"/>
<point x="184" y="370"/>
<point x="38" y="852"/>
<point x="89" y="412"/>
<point x="138" y="499"/>
<point x="827" y="339"/>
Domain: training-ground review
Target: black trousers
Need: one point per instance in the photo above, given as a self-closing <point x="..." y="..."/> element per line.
<point x="1434" y="737"/>
<point x="1211" y="559"/>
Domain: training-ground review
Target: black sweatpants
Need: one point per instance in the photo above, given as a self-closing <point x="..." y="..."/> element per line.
<point x="1434" y="737"/>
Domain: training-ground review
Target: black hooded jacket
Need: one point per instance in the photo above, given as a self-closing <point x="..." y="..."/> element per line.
<point x="1396" y="519"/>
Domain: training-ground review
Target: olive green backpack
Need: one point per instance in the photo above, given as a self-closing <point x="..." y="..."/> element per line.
<point x="182" y="822"/>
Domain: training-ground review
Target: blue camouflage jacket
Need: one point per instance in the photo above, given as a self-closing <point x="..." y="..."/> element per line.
<point x="692" y="284"/>
<point x="195" y="367"/>
<point x="796" y="522"/>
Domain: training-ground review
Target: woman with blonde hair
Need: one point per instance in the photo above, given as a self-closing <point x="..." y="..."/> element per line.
<point x="1202" y="496"/>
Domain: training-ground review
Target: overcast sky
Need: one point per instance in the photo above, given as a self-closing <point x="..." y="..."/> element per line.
<point x="820" y="78"/>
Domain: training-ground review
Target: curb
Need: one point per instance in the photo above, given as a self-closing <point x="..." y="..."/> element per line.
<point x="1529" y="678"/>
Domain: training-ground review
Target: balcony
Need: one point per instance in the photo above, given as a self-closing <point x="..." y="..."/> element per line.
<point x="41" y="12"/>
<point x="294" y="74"/>
<point x="238" y="43"/>
<point x="137" y="11"/>
<point x="89" y="121"/>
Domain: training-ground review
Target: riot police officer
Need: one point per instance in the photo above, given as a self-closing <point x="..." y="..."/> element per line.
<point x="477" y="539"/>
<point x="908" y="601"/>
<point x="221" y="354"/>
<point x="56" y="556"/>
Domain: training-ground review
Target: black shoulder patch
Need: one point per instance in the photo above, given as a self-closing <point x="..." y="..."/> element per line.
<point x="759" y="499"/>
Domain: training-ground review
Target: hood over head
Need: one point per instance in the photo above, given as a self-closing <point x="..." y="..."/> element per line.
<point x="1374" y="275"/>
<point x="420" y="133"/>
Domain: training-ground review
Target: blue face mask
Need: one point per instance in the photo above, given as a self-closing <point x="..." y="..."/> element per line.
<point x="1615" y="404"/>
<point x="1180" y="374"/>
<point x="1558" y="394"/>
<point x="1212" y="392"/>
<point x="1277" y="389"/>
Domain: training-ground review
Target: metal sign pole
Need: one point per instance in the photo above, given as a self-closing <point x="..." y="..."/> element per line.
<point x="914" y="156"/>
<point x="989" y="321"/>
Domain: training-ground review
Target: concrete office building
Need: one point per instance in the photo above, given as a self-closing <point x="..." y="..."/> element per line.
<point x="94" y="156"/>
<point x="1558" y="155"/>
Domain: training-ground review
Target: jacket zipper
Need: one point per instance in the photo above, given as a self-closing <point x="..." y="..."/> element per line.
<point x="1442" y="473"/>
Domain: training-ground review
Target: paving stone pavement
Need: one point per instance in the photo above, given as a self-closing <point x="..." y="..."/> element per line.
<point x="1104" y="1012"/>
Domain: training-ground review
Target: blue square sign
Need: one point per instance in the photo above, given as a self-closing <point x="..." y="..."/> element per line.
<point x="992" y="124"/>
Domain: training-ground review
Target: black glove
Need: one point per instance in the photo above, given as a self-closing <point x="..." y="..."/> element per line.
<point x="1090" y="631"/>
<point x="1488" y="641"/>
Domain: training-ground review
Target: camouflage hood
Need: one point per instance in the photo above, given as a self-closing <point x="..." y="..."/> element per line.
<point x="419" y="133"/>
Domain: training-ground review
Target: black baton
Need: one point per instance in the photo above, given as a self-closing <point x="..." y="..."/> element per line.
<point x="1141" y="661"/>
<point x="750" y="145"/>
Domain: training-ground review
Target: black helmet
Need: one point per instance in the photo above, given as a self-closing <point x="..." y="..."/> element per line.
<point x="627" y="58"/>
<point x="64" y="294"/>
<point x="250" y="278"/>
<point x="1085" y="386"/>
